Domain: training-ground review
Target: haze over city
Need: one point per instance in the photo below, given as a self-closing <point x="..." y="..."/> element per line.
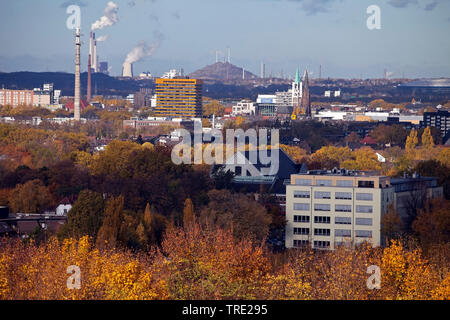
<point x="413" y="40"/>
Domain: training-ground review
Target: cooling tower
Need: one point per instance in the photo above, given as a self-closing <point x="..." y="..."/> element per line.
<point x="127" y="70"/>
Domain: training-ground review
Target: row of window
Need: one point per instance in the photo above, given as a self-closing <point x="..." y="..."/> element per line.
<point x="337" y="232"/>
<point x="337" y="208"/>
<point x="337" y="220"/>
<point x="339" y="183"/>
<point x="338" y="195"/>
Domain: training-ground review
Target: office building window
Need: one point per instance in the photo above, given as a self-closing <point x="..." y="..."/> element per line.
<point x="342" y="233"/>
<point x="343" y="208"/>
<point x="321" y="244"/>
<point x="343" y="196"/>
<point x="366" y="184"/>
<point x="344" y="183"/>
<point x="364" y="209"/>
<point x="364" y="196"/>
<point x="321" y="232"/>
<point x="319" y="219"/>
<point x="343" y="220"/>
<point x="303" y="182"/>
<point x="322" y="195"/>
<point x="363" y="221"/>
<point x="327" y="183"/>
<point x="301" y="206"/>
<point x="322" y="207"/>
<point x="301" y="231"/>
<point x="301" y="243"/>
<point x="301" y="219"/>
<point x="363" y="233"/>
<point x="302" y="194"/>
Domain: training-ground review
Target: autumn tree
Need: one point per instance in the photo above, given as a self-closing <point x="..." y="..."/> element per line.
<point x="427" y="139"/>
<point x="238" y="212"/>
<point x="188" y="213"/>
<point x="364" y="159"/>
<point x="31" y="197"/>
<point x="432" y="224"/>
<point x="391" y="224"/>
<point x="330" y="156"/>
<point x="411" y="141"/>
<point x="109" y="231"/>
<point x="295" y="153"/>
<point x="212" y="107"/>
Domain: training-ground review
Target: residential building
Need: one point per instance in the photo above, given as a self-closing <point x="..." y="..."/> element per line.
<point x="325" y="209"/>
<point x="244" y="107"/>
<point x="439" y="120"/>
<point x="179" y="98"/>
<point x="16" y="98"/>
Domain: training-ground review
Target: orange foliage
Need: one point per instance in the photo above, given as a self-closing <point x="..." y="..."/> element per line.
<point x="205" y="263"/>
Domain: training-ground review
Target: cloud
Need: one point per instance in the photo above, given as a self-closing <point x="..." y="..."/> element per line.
<point x="402" y="3"/>
<point x="109" y="19"/>
<point x="312" y="7"/>
<point x="176" y="15"/>
<point x="431" y="5"/>
<point x="68" y="3"/>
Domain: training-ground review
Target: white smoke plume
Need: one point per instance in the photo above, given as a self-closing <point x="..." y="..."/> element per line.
<point x="109" y="19"/>
<point x="103" y="38"/>
<point x="143" y="50"/>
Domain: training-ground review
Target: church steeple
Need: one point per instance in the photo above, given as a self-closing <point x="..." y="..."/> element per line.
<point x="306" y="97"/>
<point x="297" y="76"/>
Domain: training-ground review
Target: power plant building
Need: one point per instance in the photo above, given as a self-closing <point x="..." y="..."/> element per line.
<point x="179" y="98"/>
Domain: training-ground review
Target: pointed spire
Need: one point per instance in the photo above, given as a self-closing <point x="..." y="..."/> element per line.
<point x="297" y="76"/>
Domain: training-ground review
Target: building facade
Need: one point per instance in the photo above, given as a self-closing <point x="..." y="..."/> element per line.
<point x="244" y="107"/>
<point x="439" y="120"/>
<point x="328" y="209"/>
<point x="16" y="98"/>
<point x="179" y="98"/>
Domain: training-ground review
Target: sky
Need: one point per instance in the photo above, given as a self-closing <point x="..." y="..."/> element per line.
<point x="413" y="41"/>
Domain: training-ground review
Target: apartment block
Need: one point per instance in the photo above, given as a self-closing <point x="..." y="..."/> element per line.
<point x="179" y="98"/>
<point x="325" y="209"/>
<point x="16" y="98"/>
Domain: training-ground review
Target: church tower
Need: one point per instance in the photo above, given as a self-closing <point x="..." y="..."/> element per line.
<point x="306" y="96"/>
<point x="297" y="93"/>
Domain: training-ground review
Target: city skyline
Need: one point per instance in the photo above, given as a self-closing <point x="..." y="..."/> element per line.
<point x="411" y="43"/>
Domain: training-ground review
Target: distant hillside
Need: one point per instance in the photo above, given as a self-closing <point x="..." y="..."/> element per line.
<point x="221" y="71"/>
<point x="101" y="83"/>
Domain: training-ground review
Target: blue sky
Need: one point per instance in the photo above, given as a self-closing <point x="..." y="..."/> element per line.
<point x="414" y="37"/>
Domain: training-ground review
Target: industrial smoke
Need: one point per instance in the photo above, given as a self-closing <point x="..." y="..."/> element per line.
<point x="109" y="19"/>
<point x="103" y="38"/>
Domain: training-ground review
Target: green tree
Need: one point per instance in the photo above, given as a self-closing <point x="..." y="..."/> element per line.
<point x="85" y="217"/>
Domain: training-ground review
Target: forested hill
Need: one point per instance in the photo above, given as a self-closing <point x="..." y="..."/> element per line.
<point x="101" y="83"/>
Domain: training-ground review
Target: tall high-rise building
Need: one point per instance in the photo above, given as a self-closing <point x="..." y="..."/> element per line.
<point x="179" y="98"/>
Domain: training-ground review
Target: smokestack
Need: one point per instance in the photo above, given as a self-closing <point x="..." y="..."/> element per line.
<point x="88" y="98"/>
<point x="127" y="70"/>
<point x="76" y="103"/>
<point x="95" y="57"/>
<point x="243" y="73"/>
<point x="229" y="55"/>
<point x="91" y="37"/>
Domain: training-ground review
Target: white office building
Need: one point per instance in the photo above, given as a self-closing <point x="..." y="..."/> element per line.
<point x="328" y="209"/>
